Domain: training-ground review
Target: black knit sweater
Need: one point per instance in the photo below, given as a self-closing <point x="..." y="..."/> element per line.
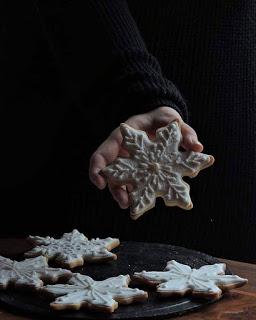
<point x="77" y="69"/>
<point x="112" y="65"/>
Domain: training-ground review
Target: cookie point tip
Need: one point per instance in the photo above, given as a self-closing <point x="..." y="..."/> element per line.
<point x="134" y="216"/>
<point x="190" y="206"/>
<point x="123" y="125"/>
<point x="212" y="159"/>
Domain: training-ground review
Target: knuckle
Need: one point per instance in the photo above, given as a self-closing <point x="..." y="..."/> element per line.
<point x="190" y="131"/>
<point x="169" y="114"/>
<point x="164" y="110"/>
<point x="92" y="177"/>
<point x="94" y="157"/>
<point x="115" y="135"/>
<point x="135" y="121"/>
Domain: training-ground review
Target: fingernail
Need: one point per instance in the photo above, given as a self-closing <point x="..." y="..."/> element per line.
<point x="100" y="184"/>
<point x="123" y="206"/>
<point x="198" y="146"/>
<point x="196" y="142"/>
<point x="101" y="187"/>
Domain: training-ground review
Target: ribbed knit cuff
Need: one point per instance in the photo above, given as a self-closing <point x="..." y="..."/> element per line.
<point x="137" y="84"/>
<point x="158" y="102"/>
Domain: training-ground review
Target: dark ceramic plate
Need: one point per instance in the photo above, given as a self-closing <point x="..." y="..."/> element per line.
<point x="132" y="257"/>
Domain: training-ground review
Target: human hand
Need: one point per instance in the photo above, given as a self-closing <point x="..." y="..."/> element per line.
<point x="112" y="148"/>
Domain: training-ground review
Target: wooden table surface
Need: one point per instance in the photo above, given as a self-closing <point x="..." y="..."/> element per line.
<point x="239" y="304"/>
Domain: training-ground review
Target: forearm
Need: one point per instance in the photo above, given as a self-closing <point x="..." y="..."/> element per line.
<point x="99" y="49"/>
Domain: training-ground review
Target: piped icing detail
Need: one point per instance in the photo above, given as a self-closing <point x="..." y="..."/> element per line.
<point x="83" y="291"/>
<point x="73" y="249"/>
<point x="179" y="279"/>
<point x="30" y="273"/>
<point x="155" y="168"/>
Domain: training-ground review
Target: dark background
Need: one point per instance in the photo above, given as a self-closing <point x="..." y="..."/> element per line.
<point x="49" y="129"/>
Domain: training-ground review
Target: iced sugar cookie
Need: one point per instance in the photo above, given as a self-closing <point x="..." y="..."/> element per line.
<point x="84" y="292"/>
<point x="73" y="249"/>
<point x="29" y="273"/>
<point x="178" y="279"/>
<point x="155" y="168"/>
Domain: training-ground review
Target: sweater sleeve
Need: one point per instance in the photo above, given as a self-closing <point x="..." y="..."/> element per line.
<point x="100" y="49"/>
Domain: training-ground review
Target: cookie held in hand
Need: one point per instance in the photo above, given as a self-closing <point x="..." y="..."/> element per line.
<point x="179" y="279"/>
<point x="155" y="168"/>
<point x="84" y="292"/>
<point x="73" y="249"/>
<point x="29" y="273"/>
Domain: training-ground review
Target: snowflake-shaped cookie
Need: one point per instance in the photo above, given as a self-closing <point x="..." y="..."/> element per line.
<point x="156" y="167"/>
<point x="179" y="279"/>
<point x="83" y="291"/>
<point x="73" y="249"/>
<point x="30" y="273"/>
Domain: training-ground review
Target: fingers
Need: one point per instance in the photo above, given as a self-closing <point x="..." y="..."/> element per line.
<point x="105" y="154"/>
<point x="163" y="116"/>
<point x="111" y="148"/>
<point x="153" y="120"/>
<point x="97" y="163"/>
<point x="120" y="195"/>
<point x="160" y="117"/>
<point x="190" y="140"/>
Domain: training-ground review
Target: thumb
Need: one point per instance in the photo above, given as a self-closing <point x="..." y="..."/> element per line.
<point x="190" y="140"/>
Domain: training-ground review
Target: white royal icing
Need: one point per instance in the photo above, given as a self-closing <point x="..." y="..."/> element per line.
<point x="82" y="289"/>
<point x="28" y="272"/>
<point x="180" y="279"/>
<point x="73" y="248"/>
<point x="155" y="168"/>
